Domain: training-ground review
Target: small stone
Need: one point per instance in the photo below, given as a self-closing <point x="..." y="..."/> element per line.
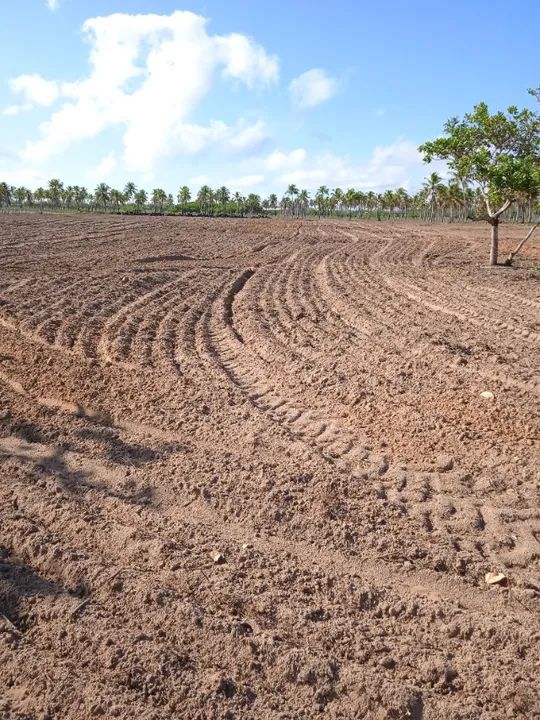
<point x="387" y="662"/>
<point x="487" y="395"/>
<point x="218" y="558"/>
<point x="494" y="578"/>
<point x="444" y="463"/>
<point x="5" y="414"/>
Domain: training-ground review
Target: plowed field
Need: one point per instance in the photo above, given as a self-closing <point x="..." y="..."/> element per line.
<point x="247" y="470"/>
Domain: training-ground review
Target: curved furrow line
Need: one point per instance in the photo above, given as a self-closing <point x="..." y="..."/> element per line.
<point x="150" y="327"/>
<point x="46" y="323"/>
<point x="112" y="327"/>
<point x="440" y="301"/>
<point x="256" y="380"/>
<point x="507" y="302"/>
<point x="40" y="299"/>
<point x="133" y="339"/>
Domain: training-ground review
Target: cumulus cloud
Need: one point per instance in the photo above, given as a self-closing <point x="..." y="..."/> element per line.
<point x="103" y="170"/>
<point x="36" y="90"/>
<point x="394" y="165"/>
<point x="279" y="161"/>
<point x="312" y="88"/>
<point x="245" y="182"/>
<point x="148" y="73"/>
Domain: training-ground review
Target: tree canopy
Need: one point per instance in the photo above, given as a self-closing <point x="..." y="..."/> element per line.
<point x="499" y="153"/>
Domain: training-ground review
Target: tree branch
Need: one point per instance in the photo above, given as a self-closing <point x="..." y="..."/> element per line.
<point x="501" y="210"/>
<point x="514" y="252"/>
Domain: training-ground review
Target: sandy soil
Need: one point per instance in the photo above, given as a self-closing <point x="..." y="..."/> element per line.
<point x="246" y="471"/>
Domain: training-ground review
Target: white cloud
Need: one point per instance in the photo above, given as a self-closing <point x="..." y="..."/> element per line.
<point x="36" y="90"/>
<point x="250" y="138"/>
<point x="16" y="109"/>
<point x="147" y="75"/>
<point x="103" y="170"/>
<point x="312" y="88"/>
<point x="279" y="161"/>
<point x="52" y="4"/>
<point x="247" y="182"/>
<point x="390" y="166"/>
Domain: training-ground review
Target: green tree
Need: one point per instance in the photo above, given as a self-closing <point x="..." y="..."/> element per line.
<point x="140" y="199"/>
<point x="40" y="195"/>
<point x="54" y="191"/>
<point x="272" y="202"/>
<point x="129" y="191"/>
<point x="117" y="198"/>
<point x="222" y="196"/>
<point x="5" y="194"/>
<point x="184" y="196"/>
<point x="159" y="198"/>
<point x="499" y="153"/>
<point x="205" y="199"/>
<point x="102" y="195"/>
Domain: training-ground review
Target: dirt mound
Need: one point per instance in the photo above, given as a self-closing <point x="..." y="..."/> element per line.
<point x="260" y="469"/>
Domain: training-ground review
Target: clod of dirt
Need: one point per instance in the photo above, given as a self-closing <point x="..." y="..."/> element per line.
<point x="317" y="615"/>
<point x="5" y="414"/>
<point x="493" y="578"/>
<point x="444" y="463"/>
<point x="218" y="558"/>
<point x="487" y="395"/>
<point x="226" y="687"/>
<point x="241" y="629"/>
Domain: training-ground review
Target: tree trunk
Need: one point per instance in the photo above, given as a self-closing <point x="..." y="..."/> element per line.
<point x="494" y="250"/>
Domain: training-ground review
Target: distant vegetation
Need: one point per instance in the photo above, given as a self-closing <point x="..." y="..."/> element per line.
<point x="494" y="164"/>
<point x="437" y="201"/>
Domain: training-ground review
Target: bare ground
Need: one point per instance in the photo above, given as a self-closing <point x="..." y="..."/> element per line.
<point x="246" y="470"/>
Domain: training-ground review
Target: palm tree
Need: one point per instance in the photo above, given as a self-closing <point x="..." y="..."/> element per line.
<point x="239" y="203"/>
<point x="292" y="192"/>
<point x="321" y="200"/>
<point x="159" y="198"/>
<point x="117" y="198"/>
<point x="54" y="191"/>
<point x="432" y="186"/>
<point x="349" y="200"/>
<point x="222" y="196"/>
<point x="205" y="198"/>
<point x="102" y="195"/>
<point x="20" y="195"/>
<point x="272" y="202"/>
<point x="184" y="196"/>
<point x="303" y="202"/>
<point x="5" y="194"/>
<point x="129" y="191"/>
<point x="336" y="200"/>
<point x="39" y="196"/>
<point x="80" y="195"/>
<point x="140" y="199"/>
<point x="253" y="203"/>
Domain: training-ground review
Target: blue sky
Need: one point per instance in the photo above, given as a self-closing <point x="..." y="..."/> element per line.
<point x="254" y="96"/>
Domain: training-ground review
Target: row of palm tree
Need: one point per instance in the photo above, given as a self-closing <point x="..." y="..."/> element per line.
<point x="436" y="201"/>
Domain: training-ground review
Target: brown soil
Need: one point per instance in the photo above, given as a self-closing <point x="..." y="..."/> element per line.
<point x="246" y="470"/>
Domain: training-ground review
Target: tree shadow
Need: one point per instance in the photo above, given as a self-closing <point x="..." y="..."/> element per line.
<point x="30" y="444"/>
<point x="125" y="453"/>
<point x="18" y="583"/>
